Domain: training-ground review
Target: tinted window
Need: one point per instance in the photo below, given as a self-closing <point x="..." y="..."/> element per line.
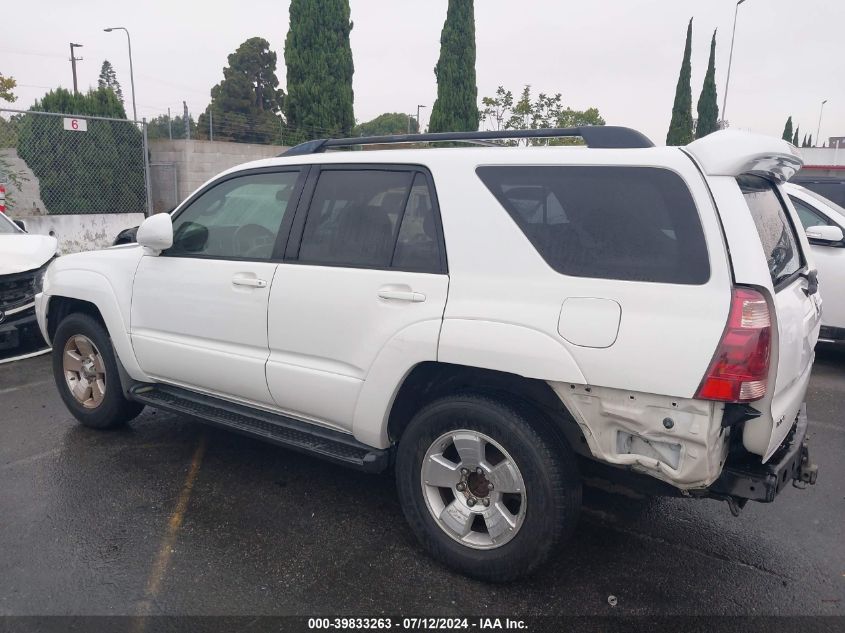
<point x="629" y="223"/>
<point x="774" y="227"/>
<point x="6" y="225"/>
<point x="239" y="218"/>
<point x="808" y="215"/>
<point x="417" y="246"/>
<point x="354" y="217"/>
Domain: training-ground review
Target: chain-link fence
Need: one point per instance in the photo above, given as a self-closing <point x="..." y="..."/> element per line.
<point x="67" y="164"/>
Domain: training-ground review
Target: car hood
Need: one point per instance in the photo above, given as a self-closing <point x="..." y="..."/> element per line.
<point x="20" y="252"/>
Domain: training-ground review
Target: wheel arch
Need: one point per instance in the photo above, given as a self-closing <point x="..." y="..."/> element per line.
<point x="429" y="381"/>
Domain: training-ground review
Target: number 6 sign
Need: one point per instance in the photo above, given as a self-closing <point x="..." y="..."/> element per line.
<point x="75" y="125"/>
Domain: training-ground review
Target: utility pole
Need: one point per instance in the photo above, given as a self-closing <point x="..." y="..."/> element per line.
<point x="185" y="119"/>
<point x="169" y="124"/>
<point x="73" y="60"/>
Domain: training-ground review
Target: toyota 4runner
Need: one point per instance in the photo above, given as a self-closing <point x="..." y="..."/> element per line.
<point x="490" y="322"/>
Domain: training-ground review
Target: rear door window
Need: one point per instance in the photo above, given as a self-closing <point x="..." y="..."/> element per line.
<point x="626" y="223"/>
<point x="372" y="218"/>
<point x="777" y="234"/>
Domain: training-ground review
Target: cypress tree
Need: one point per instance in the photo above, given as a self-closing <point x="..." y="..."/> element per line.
<point x="456" y="107"/>
<point x="319" y="68"/>
<point x="787" y="130"/>
<point x="810" y="141"/>
<point x="795" y="137"/>
<point x="708" y="109"/>
<point x="680" y="129"/>
<point x="804" y="142"/>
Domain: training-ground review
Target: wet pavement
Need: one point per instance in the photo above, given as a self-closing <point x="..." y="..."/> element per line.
<point x="169" y="516"/>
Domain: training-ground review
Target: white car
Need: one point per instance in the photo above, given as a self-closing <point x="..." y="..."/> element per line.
<point x="23" y="261"/>
<point x="491" y="323"/>
<point x="824" y="223"/>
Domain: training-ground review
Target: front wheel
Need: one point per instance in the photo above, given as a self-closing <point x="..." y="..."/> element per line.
<point x="86" y="375"/>
<point x="485" y="486"/>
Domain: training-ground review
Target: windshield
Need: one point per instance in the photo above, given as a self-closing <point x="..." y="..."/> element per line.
<point x="7" y="226"/>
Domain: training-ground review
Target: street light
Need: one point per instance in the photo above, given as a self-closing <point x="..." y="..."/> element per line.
<point x="131" y="73"/>
<point x="419" y="127"/>
<point x="730" y="62"/>
<point x="819" y="130"/>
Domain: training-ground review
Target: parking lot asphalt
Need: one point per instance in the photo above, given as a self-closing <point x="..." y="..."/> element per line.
<point x="170" y="516"/>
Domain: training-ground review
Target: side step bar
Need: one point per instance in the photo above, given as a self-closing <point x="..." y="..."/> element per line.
<point x="334" y="446"/>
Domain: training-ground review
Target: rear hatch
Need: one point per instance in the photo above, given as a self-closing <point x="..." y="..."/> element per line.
<point x="770" y="254"/>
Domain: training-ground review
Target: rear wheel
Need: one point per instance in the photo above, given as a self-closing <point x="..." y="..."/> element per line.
<point x="485" y="487"/>
<point x="86" y="375"/>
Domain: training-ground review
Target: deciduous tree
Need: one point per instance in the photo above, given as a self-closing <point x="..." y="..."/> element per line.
<point x="502" y="112"/>
<point x="7" y="85"/>
<point x="455" y="109"/>
<point x="97" y="171"/>
<point x="385" y="124"/>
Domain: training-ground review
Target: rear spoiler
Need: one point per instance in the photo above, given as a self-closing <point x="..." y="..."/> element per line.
<point x="733" y="153"/>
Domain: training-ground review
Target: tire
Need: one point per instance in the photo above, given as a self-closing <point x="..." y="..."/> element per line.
<point x="101" y="405"/>
<point x="545" y="513"/>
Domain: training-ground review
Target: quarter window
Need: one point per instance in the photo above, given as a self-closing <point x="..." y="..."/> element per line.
<point x="627" y="223"/>
<point x="238" y="219"/>
<point x="777" y="235"/>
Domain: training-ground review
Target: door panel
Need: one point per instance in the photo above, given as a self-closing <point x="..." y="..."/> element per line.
<point x="199" y="311"/>
<point x="369" y="265"/>
<point x="192" y="325"/>
<point x="328" y="324"/>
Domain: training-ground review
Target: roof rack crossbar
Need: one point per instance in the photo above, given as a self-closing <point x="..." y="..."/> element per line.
<point x="595" y="136"/>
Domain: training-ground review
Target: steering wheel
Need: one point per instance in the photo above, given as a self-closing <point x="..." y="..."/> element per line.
<point x="254" y="240"/>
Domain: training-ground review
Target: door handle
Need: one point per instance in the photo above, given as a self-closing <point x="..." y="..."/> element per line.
<point x="401" y="295"/>
<point x="251" y="282"/>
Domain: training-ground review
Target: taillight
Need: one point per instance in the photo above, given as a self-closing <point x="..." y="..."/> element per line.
<point x="740" y="368"/>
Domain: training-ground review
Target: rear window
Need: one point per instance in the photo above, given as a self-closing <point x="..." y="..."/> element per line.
<point x="777" y="235"/>
<point x="627" y="223"/>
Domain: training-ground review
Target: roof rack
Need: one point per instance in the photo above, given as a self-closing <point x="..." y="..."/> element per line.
<point x="595" y="136"/>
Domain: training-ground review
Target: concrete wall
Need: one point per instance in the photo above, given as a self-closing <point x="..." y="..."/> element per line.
<point x="196" y="162"/>
<point x="25" y="201"/>
<point x="85" y="232"/>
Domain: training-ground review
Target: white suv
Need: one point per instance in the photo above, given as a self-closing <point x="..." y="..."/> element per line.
<point x="490" y="322"/>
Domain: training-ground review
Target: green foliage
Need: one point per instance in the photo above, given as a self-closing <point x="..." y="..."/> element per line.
<point x="98" y="171"/>
<point x="108" y="80"/>
<point x="7" y="85"/>
<point x="455" y="109"/>
<point x="319" y="69"/>
<point x="795" y="137"/>
<point x="503" y="113"/>
<point x="245" y="106"/>
<point x="385" y="124"/>
<point x="787" y="130"/>
<point x="680" y="129"/>
<point x="708" y="109"/>
<point x="157" y="128"/>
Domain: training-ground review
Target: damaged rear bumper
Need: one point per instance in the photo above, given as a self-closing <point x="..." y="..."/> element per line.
<point x="745" y="478"/>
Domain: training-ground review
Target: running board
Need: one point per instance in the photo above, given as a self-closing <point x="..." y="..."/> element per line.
<point x="337" y="447"/>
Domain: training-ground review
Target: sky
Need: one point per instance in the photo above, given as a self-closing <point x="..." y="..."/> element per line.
<point x="621" y="56"/>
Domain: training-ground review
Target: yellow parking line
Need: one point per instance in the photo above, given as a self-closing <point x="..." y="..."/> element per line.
<point x="159" y="568"/>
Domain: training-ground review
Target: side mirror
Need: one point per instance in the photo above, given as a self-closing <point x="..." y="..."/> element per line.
<point x="20" y="224"/>
<point x="825" y="234"/>
<point x="156" y="232"/>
